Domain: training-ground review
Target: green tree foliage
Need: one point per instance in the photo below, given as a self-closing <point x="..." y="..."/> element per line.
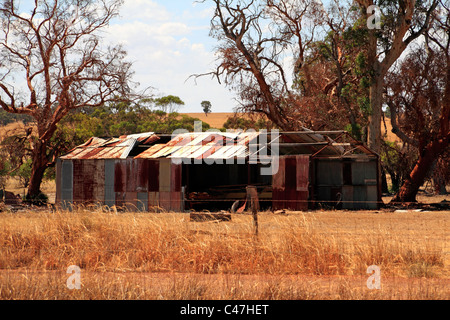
<point x="168" y="104"/>
<point x="340" y="56"/>
<point x="24" y="173"/>
<point x="4" y="169"/>
<point x="119" y="119"/>
<point x="13" y="154"/>
<point x="6" y="118"/>
<point x="206" y="105"/>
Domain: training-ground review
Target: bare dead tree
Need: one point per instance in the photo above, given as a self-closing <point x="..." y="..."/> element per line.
<point x="268" y="53"/>
<point x="52" y="62"/>
<point x="256" y="38"/>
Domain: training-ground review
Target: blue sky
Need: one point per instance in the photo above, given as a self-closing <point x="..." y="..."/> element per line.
<point x="168" y="41"/>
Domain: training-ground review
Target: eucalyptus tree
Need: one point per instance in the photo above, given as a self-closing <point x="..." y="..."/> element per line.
<point x="52" y="61"/>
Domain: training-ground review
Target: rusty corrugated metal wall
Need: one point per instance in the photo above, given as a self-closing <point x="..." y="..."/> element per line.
<point x="342" y="183"/>
<point x="64" y="184"/>
<point x="291" y="183"/>
<point x="134" y="184"/>
<point x="346" y="183"/>
<point x="110" y="195"/>
<point x="88" y="182"/>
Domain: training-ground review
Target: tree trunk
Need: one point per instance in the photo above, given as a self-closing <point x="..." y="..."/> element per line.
<point x="439" y="186"/>
<point x="395" y="181"/>
<point x="438" y="177"/>
<point x="410" y="188"/>
<point x="384" y="185"/>
<point x="374" y="127"/>
<point x="39" y="165"/>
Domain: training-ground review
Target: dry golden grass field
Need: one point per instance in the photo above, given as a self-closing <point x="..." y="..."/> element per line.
<point x="215" y="120"/>
<point x="309" y="255"/>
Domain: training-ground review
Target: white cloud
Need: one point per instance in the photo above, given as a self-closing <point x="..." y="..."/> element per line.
<point x="144" y="10"/>
<point x="167" y="49"/>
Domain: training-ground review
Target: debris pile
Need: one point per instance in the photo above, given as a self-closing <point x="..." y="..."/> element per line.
<point x="419" y="207"/>
<point x="9" y="201"/>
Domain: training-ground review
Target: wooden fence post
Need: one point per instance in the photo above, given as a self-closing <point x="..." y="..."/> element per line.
<point x="252" y="197"/>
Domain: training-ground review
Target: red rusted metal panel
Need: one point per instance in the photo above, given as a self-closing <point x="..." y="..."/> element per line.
<point x="164" y="200"/>
<point x="78" y="182"/>
<point x="98" y="181"/>
<point x="120" y="199"/>
<point x="148" y="140"/>
<point x="290" y="184"/>
<point x="175" y="201"/>
<point x="279" y="177"/>
<point x="88" y="181"/>
<point x="153" y="175"/>
<point x="153" y="199"/>
<point x="120" y="176"/>
<point x="175" y="178"/>
<point x="298" y="188"/>
<point x="278" y="197"/>
<point x="297" y="200"/>
<point x="131" y="199"/>
<point x="278" y="186"/>
<point x="303" y="173"/>
<point x="131" y="175"/>
<point x="142" y="175"/>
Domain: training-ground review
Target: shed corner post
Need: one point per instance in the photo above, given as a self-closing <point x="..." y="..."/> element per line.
<point x="58" y="182"/>
<point x="379" y="183"/>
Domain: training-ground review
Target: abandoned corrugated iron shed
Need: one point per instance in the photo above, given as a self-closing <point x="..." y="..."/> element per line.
<point x="211" y="170"/>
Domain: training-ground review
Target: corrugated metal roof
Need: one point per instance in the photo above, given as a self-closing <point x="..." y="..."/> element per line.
<point x="322" y="143"/>
<point x="203" y="145"/>
<point x="309" y="138"/>
<point x="113" y="148"/>
<point x="219" y="145"/>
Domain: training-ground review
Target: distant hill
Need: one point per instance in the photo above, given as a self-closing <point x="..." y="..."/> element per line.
<point x="13" y="128"/>
<point x="215" y="120"/>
